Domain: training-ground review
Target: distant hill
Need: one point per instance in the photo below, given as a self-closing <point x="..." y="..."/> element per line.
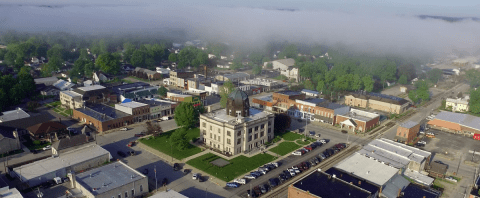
<point x="449" y="19"/>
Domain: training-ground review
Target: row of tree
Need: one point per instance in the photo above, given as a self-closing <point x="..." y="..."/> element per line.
<point x="189" y="56"/>
<point x="14" y="90"/>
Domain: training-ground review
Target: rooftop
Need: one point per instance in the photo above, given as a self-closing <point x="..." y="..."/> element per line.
<point x="368" y="169"/>
<point x="385" y="156"/>
<point x="288" y="62"/>
<point x="237" y="75"/>
<point x="169" y="193"/>
<point x="361" y="115"/>
<point x="419" y="177"/>
<point x="132" y="104"/>
<point x="415" y="191"/>
<point x="462" y="119"/>
<point x="409" y="124"/>
<point x="108" y="177"/>
<point x="267" y="98"/>
<point x="130" y="86"/>
<point x="7" y="132"/>
<point x="7" y="192"/>
<point x="13" y="115"/>
<point x="310" y="91"/>
<point x="71" y="142"/>
<point x="46" y="127"/>
<point x="102" y="112"/>
<point x="396" y="151"/>
<point x="154" y="102"/>
<point x="380" y="97"/>
<point x="459" y="101"/>
<point x="331" y="105"/>
<point x="61" y="84"/>
<point x="360" y="182"/>
<point x="71" y="93"/>
<point x="44" y="80"/>
<point x="289" y="93"/>
<point x="52" y="164"/>
<point x="90" y="88"/>
<point x="221" y="115"/>
<point x="325" y="185"/>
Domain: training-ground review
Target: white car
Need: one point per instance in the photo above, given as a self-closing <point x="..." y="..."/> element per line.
<point x="292" y="173"/>
<point x="296" y="170"/>
<point x="422" y="142"/>
<point x="422" y="132"/>
<point x="275" y="164"/>
<point x="297" y="153"/>
<point x="250" y="177"/>
<point x="262" y="171"/>
<point x="195" y="176"/>
<point x="240" y="181"/>
<point x="124" y="129"/>
<point x="47" y="147"/>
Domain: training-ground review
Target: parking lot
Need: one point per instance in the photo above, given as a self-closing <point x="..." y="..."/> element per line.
<point x="452" y="145"/>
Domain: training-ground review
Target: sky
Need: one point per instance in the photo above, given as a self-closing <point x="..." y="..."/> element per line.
<point x="369" y="25"/>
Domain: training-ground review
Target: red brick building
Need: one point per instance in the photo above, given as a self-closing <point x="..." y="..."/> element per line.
<point x="357" y="120"/>
<point x="407" y="132"/>
<point x="102" y="117"/>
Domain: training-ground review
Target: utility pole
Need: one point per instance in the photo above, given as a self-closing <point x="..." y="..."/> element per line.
<point x="458" y="167"/>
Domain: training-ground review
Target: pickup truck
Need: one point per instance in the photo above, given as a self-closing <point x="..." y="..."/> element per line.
<point x="240" y="181"/>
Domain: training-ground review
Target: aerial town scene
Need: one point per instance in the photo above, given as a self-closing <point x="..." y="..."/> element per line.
<point x="213" y="99"/>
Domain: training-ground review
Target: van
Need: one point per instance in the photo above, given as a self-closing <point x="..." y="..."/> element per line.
<point x="165" y="118"/>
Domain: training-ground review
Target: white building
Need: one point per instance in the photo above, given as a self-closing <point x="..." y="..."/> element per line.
<point x="132" y="109"/>
<point x="63" y="85"/>
<point x="281" y="64"/>
<point x="260" y="81"/>
<point x="211" y="56"/>
<point x="7" y="192"/>
<point x="310" y="92"/>
<point x="238" y="128"/>
<point x="457" y="104"/>
<point x="163" y="71"/>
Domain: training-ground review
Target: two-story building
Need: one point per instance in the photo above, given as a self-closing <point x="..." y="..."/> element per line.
<point x="407" y="131"/>
<point x="178" y="78"/>
<point x="457" y="104"/>
<point x="139" y="111"/>
<point x="238" y="128"/>
<point x="159" y="108"/>
<point x="381" y="102"/>
<point x="92" y="94"/>
<point x="358" y="120"/>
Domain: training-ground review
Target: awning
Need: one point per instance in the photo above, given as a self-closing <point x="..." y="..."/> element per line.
<point x="126" y="100"/>
<point x="349" y="122"/>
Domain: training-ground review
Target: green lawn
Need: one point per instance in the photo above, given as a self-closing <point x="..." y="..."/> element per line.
<point x="291" y="136"/>
<point x="161" y="144"/>
<point x="302" y="142"/>
<point x="238" y="166"/>
<point x="36" y="146"/>
<point x="285" y="148"/>
<point x="53" y="104"/>
<point x="69" y="112"/>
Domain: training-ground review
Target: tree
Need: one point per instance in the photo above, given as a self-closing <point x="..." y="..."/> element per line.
<point x="473" y="76"/>
<point x="178" y="139"/>
<point x="290" y="51"/>
<point x="162" y="91"/>
<point x="412" y="94"/>
<point x="172" y="57"/>
<point x="265" y="59"/>
<point x="257" y="69"/>
<point x="226" y="89"/>
<point x="138" y="58"/>
<point x="460" y="95"/>
<point x="32" y="106"/>
<point x="320" y="86"/>
<point x="4" y="100"/>
<point x="185" y="115"/>
<point x="368" y="83"/>
<point x="256" y="57"/>
<point x="403" y="80"/>
<point x="357" y="83"/>
<point x="282" y="122"/>
<point x="316" y="51"/>
<point x="434" y="75"/>
<point x="309" y="85"/>
<point x="108" y="63"/>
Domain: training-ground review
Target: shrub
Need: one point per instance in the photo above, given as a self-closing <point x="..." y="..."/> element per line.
<point x="37" y="142"/>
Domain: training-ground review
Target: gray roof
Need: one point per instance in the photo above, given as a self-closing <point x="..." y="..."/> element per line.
<point x="44" y="80"/>
<point x="7" y="132"/>
<point x="108" y="177"/>
<point x="462" y="119"/>
<point x="71" y="142"/>
<point x="393" y="186"/>
<point x="289" y="93"/>
<point x="102" y="112"/>
<point x="236" y="75"/>
<point x="310" y="91"/>
<point x="238" y="94"/>
<point x="332" y="105"/>
<point x="13" y="115"/>
<point x="409" y="124"/>
<point x="153" y="103"/>
<point x="396" y="152"/>
<point x="368" y="169"/>
<point x="288" y="62"/>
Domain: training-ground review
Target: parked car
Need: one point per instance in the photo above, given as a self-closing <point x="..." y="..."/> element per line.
<point x="130" y="144"/>
<point x="202" y="179"/>
<point x="124" y="129"/>
<point x="195" y="176"/>
<point x="186" y="171"/>
<point x="256" y="173"/>
<point x="344" y="131"/>
<point x="140" y="134"/>
<point x="422" y="142"/>
<point x="312" y="133"/>
<point x="176" y="167"/>
<point x="131" y="153"/>
<point x="47" y="147"/>
<point x="317" y="135"/>
<point x="165" y="118"/>
<point x="121" y="154"/>
<point x="273" y="182"/>
<point x="322" y="156"/>
<point x="164" y="181"/>
<point x="297" y="153"/>
<point x="309" y="148"/>
<point x="313" y="145"/>
<point x="240" y="181"/>
<point x="233" y="185"/>
<point x="250" y="176"/>
<point x="263" y="172"/>
<point x="262" y="189"/>
<point x="257" y="191"/>
<point x="276" y="164"/>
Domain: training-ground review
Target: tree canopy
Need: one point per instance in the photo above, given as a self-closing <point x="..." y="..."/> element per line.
<point x="191" y="56"/>
<point x="162" y="91"/>
<point x="186" y="115"/>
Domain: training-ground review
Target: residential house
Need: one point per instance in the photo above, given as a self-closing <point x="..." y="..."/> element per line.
<point x="358" y="120"/>
<point x="292" y="73"/>
<point x="16" y="114"/>
<point x="71" y="143"/>
<point x="457" y="104"/>
<point x="99" y="76"/>
<point x="407" y="132"/>
<point x="63" y="85"/>
<point x="9" y="139"/>
<point x="381" y="102"/>
<point x="112" y="180"/>
<point x="47" y="131"/>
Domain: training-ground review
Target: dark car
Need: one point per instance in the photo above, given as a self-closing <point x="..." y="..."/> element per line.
<point x="257" y="191"/>
<point x="313" y="145"/>
<point x="344" y="131"/>
<point x="273" y="182"/>
<point x="282" y="177"/>
<point x="131" y="153"/>
<point x="164" y="181"/>
<point x="233" y="185"/>
<point x="262" y="189"/>
<point x="140" y="134"/>
<point x="201" y="178"/>
<point x="176" y="167"/>
<point x="326" y="154"/>
<point x="256" y="173"/>
<point x="121" y="154"/>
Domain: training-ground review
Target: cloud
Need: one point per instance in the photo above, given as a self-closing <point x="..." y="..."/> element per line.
<point x="249" y="26"/>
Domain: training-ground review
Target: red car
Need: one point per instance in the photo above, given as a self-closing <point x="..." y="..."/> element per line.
<point x="140" y="134"/>
<point x="130" y="144"/>
<point x="308" y="148"/>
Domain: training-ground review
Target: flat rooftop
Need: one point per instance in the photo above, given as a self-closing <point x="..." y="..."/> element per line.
<point x="367" y="168"/>
<point x="322" y="184"/>
<point x="360" y="182"/>
<point x="459" y="118"/>
<point x="289" y="93"/>
<point x="52" y="164"/>
<point x="412" y="153"/>
<point x="108" y="177"/>
<point x="314" y="100"/>
<point x="310" y="91"/>
<point x="361" y="115"/>
<point x="71" y="93"/>
<point x="388" y="157"/>
<point x="169" y="193"/>
<point x="102" y="112"/>
<point x="267" y="98"/>
<point x="90" y="88"/>
<point x="130" y="86"/>
<point x="154" y="103"/>
<point x="44" y="80"/>
<point x="409" y="124"/>
<point x="221" y="115"/>
<point x="132" y="104"/>
<point x="419" y="177"/>
<point x="13" y="115"/>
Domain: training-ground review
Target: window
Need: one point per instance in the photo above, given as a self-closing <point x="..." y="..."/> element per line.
<point x="210" y="128"/>
<point x="262" y="126"/>
<point x="249" y="130"/>
<point x="269" y="130"/>
<point x="256" y="128"/>
<point x="228" y="133"/>
<point x="215" y="137"/>
<point x="218" y="130"/>
<point x="228" y="141"/>
<point x="249" y="138"/>
<point x="261" y="134"/>
<point x="141" y="188"/>
<point x="239" y="133"/>
<point x="219" y="139"/>
<point x="126" y="194"/>
<point x="256" y="136"/>
<point x="119" y="195"/>
<point x="204" y="124"/>
<point x="204" y="132"/>
<point x="133" y="192"/>
<point x="239" y="140"/>
<point x="210" y="135"/>
<point x="269" y="123"/>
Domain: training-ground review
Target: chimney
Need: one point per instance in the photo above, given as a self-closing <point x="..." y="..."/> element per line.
<point x="73" y="181"/>
<point x="359" y="183"/>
